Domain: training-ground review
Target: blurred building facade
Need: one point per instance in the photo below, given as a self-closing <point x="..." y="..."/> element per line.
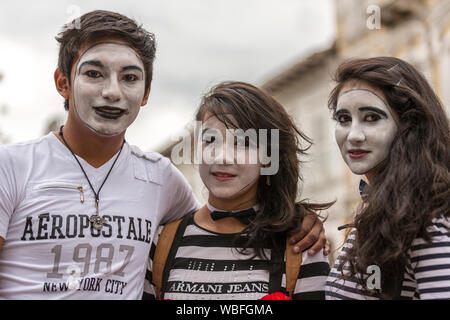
<point x="3" y="111"/>
<point x="417" y="31"/>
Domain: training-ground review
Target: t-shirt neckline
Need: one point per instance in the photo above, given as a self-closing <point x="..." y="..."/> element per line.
<point x="86" y="165"/>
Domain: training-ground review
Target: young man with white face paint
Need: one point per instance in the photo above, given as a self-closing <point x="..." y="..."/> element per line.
<point x="79" y="207"/>
<point x="227" y="248"/>
<point x="392" y="128"/>
<point x="109" y="87"/>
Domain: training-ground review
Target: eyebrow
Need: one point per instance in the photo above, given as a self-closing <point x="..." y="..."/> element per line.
<point x="97" y="63"/>
<point x="209" y="129"/>
<point x="374" y="109"/>
<point x="341" y="112"/>
<point x="132" y="68"/>
<point x="365" y="108"/>
<point x="94" y="63"/>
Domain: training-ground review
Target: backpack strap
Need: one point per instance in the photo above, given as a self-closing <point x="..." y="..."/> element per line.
<point x="162" y="251"/>
<point x="293" y="263"/>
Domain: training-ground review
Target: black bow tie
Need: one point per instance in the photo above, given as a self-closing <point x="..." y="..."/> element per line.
<point x="244" y="216"/>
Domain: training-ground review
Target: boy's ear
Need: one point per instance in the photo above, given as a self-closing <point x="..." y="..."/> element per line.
<point x="145" y="99"/>
<point x="62" y="84"/>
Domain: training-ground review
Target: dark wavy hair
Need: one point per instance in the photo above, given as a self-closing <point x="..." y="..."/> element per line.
<point x="100" y="24"/>
<point x="413" y="185"/>
<point x="253" y="108"/>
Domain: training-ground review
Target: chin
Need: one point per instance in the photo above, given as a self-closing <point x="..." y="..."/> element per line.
<point x="364" y="171"/>
<point x="225" y="194"/>
<point x="106" y="132"/>
<point x="110" y="133"/>
<point x="358" y="170"/>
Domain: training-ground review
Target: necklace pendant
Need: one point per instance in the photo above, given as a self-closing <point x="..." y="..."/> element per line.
<point x="97" y="221"/>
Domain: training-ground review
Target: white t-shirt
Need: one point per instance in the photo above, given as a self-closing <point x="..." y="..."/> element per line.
<point x="50" y="249"/>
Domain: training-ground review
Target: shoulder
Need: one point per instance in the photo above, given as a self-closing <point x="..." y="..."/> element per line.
<point x="439" y="232"/>
<point x="14" y="148"/>
<point x="150" y="166"/>
<point x="173" y="226"/>
<point x="152" y="157"/>
<point x="318" y="258"/>
<point x="430" y="261"/>
<point x="21" y="154"/>
<point x="440" y="227"/>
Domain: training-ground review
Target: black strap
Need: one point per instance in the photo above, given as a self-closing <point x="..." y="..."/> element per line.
<point x="277" y="267"/>
<point x="173" y="250"/>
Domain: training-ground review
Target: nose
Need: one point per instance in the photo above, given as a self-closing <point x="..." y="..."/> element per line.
<point x="111" y="90"/>
<point x="356" y="134"/>
<point x="224" y="154"/>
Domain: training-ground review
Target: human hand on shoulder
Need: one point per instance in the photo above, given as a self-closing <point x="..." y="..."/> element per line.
<point x="311" y="234"/>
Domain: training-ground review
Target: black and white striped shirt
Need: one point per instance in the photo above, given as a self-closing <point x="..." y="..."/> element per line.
<point x="207" y="266"/>
<point x="426" y="276"/>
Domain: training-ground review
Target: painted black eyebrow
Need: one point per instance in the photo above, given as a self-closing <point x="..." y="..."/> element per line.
<point x="374" y="109"/>
<point x="210" y="129"/>
<point x="366" y="108"/>
<point x="341" y="111"/>
<point x="132" y="68"/>
<point x="95" y="63"/>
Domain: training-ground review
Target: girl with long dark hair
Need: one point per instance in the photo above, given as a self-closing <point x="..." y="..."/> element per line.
<point x="392" y="128"/>
<point x="235" y="246"/>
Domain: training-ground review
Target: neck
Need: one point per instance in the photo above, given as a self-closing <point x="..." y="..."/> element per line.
<point x="371" y="176"/>
<point x="373" y="173"/>
<point x="244" y="201"/>
<point x="93" y="148"/>
<point x="226" y="225"/>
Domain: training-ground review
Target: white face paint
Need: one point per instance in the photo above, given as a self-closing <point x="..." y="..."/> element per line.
<point x="365" y="128"/>
<point x="109" y="87"/>
<point x="225" y="180"/>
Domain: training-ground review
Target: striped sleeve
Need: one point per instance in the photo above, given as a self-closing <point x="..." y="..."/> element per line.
<point x="431" y="261"/>
<point x="312" y="277"/>
<point x="349" y="289"/>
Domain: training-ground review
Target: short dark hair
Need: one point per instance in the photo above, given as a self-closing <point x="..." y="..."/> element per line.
<point x="100" y="24"/>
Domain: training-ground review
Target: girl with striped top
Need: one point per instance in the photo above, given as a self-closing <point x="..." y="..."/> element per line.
<point x="392" y="128"/>
<point x="235" y="246"/>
